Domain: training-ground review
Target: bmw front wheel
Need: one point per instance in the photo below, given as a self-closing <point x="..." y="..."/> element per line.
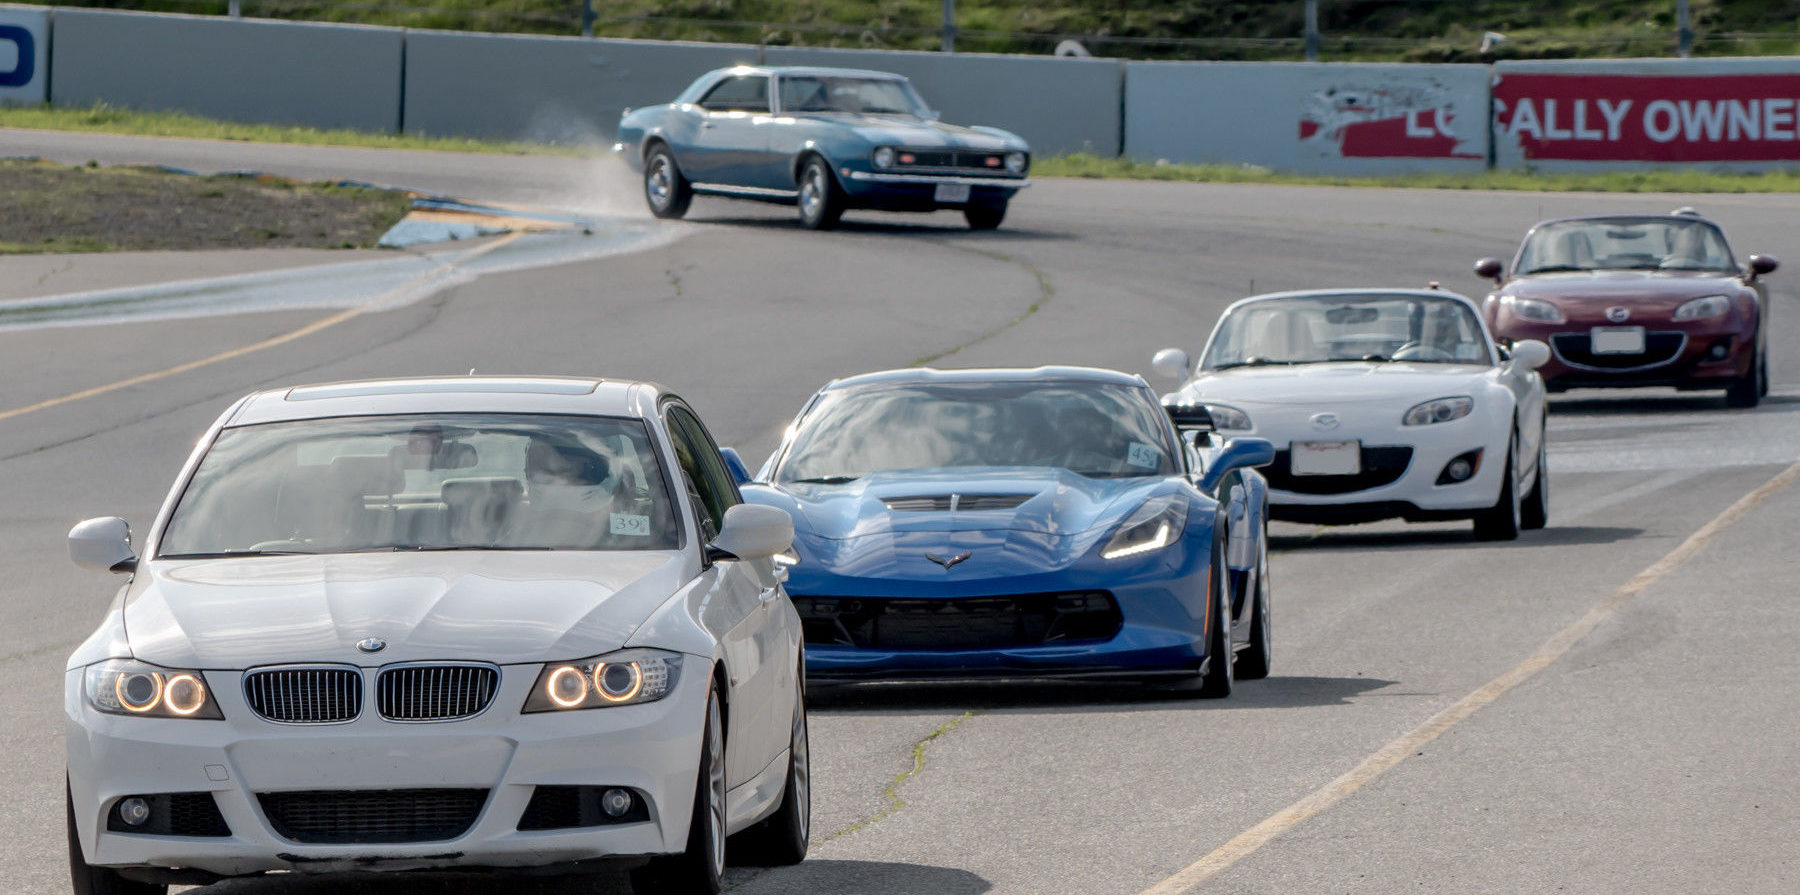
<point x="91" y="880"/>
<point x="699" y="870"/>
<point x="665" y="189"/>
<point x="782" y="839"/>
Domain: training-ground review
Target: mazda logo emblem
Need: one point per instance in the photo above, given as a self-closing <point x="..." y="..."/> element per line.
<point x="1618" y="315"/>
<point x="1325" y="420"/>
<point x="371" y="645"/>
<point x="948" y="561"/>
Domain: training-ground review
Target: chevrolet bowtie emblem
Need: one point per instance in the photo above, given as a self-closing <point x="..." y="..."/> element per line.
<point x="947" y="561"/>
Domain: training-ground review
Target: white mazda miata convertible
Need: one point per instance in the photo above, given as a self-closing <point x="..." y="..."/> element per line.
<point x="1382" y="403"/>
<point x="496" y="623"/>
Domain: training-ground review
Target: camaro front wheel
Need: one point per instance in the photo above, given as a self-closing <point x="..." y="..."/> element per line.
<point x="821" y="201"/>
<point x="665" y="189"/>
<point x="985" y="217"/>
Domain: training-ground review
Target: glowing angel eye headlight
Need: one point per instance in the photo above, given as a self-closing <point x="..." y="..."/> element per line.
<point x="1153" y="526"/>
<point x="1439" y="410"/>
<point x="126" y="687"/>
<point x="625" y="677"/>
<point x="1704" y="308"/>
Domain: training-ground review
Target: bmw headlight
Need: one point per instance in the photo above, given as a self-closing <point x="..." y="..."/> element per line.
<point x="1533" y="309"/>
<point x="1015" y="162"/>
<point x="1153" y="526"/>
<point x="127" y="687"/>
<point x="1439" y="410"/>
<point x="884" y="157"/>
<point x="1228" y="419"/>
<point x="1704" y="308"/>
<point x="625" y="677"/>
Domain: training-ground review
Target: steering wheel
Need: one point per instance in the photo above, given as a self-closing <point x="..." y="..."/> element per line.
<point x="1418" y="351"/>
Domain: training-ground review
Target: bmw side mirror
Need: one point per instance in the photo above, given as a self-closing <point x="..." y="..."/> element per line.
<point x="1530" y="353"/>
<point x="735" y="465"/>
<point x="1761" y="265"/>
<point x="1171" y="363"/>
<point x="1238" y="453"/>
<point x="102" y="544"/>
<point x="1491" y="269"/>
<point x="752" y="531"/>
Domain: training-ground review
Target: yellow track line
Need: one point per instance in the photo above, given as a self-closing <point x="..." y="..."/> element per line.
<point x="271" y="342"/>
<point x="1383" y="760"/>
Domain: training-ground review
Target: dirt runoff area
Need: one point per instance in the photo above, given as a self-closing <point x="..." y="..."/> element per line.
<point x="55" y="208"/>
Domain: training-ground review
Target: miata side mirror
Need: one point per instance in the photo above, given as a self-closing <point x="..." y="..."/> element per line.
<point x="1491" y="269"/>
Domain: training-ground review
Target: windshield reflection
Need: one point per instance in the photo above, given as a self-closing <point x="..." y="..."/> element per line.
<point x="1321" y="329"/>
<point x="1625" y="244"/>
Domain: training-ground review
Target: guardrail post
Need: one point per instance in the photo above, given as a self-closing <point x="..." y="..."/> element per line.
<point x="949" y="26"/>
<point x="587" y="18"/>
<point x="1312" y="30"/>
<point x="1684" y="34"/>
<point x="235" y="9"/>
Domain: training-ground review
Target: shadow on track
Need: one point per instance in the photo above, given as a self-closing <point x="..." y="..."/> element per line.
<point x="1080" y="696"/>
<point x="863" y="878"/>
<point x="950" y="226"/>
<point x="821" y="877"/>
<point x="1590" y="404"/>
<point x="1455" y="538"/>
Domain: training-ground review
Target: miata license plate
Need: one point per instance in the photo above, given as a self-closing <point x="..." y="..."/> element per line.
<point x="951" y="192"/>
<point x="1325" y="458"/>
<point x="1618" y="339"/>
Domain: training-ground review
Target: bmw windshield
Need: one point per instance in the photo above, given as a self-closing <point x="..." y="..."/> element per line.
<point x="1317" y="329"/>
<point x="1092" y="429"/>
<point x="425" y="482"/>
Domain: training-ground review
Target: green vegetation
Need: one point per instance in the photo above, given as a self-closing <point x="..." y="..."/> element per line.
<point x="1406" y="30"/>
<point x="1662" y="181"/>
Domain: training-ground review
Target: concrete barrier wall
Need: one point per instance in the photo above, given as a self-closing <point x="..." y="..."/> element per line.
<point x="24" y="55"/>
<point x="1647" y="113"/>
<point x="1058" y="105"/>
<point x="327" y="76"/>
<point x="545" y="88"/>
<point x="1312" y="118"/>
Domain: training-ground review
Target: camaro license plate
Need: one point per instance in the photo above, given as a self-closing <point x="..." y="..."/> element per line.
<point x="951" y="192"/>
<point x="1325" y="458"/>
<point x="1618" y="339"/>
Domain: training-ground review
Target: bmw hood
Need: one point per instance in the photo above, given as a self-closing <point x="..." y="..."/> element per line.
<point x="1334" y="383"/>
<point x="888" y="130"/>
<point x="506" y="608"/>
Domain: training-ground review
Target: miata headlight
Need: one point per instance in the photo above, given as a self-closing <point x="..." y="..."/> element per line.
<point x="1439" y="410"/>
<point x="1533" y="309"/>
<point x="1228" y="419"/>
<point x="127" y="687"/>
<point x="626" y="677"/>
<point x="884" y="157"/>
<point x="1153" y="526"/>
<point x="1704" y="308"/>
<point x="1015" y="162"/>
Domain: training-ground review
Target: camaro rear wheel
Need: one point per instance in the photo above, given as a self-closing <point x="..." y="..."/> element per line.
<point x="821" y="202"/>
<point x="665" y="189"/>
<point x="1501" y="521"/>
<point x="782" y="839"/>
<point x="1253" y="663"/>
<point x="91" y="880"/>
<point x="1534" y="512"/>
<point x="699" y="870"/>
<point x="985" y="217"/>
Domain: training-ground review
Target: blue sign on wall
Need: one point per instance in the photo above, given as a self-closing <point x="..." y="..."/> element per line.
<point x="26" y="65"/>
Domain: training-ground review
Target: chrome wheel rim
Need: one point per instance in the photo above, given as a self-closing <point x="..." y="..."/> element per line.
<point x="657" y="185"/>
<point x="812" y="192"/>
<point x="715" y="790"/>
<point x="801" y="785"/>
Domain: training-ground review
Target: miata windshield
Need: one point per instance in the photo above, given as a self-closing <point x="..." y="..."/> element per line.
<point x="1320" y="329"/>
<point x="436" y="482"/>
<point x="1625" y="244"/>
<point x="864" y="96"/>
<point x="1092" y="429"/>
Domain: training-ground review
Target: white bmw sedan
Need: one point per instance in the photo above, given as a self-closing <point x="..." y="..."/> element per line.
<point x="1382" y="403"/>
<point x="460" y="623"/>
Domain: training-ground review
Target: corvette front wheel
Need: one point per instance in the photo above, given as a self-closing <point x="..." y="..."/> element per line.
<point x="1253" y="663"/>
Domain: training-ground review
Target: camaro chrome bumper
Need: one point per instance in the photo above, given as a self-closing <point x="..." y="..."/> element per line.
<point x="934" y="179"/>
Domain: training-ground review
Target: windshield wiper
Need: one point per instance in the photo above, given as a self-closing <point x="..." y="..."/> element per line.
<point x="1558" y="268"/>
<point x="1261" y="362"/>
<point x="826" y="479"/>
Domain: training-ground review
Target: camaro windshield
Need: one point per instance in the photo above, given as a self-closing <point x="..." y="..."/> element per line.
<point x="866" y="96"/>
<point x="425" y="482"/>
<point x="1625" y="244"/>
<point x="1320" y="329"/>
<point x="1093" y="429"/>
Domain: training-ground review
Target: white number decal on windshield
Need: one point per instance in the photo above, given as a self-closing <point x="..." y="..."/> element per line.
<point x="1141" y="454"/>
<point x="627" y="524"/>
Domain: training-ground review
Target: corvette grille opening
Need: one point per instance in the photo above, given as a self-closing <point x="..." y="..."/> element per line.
<point x="1577" y="349"/>
<point x="1380" y="466"/>
<point x="331" y="817"/>
<point x="569" y="807"/>
<point x="311" y="695"/>
<point x="435" y="692"/>
<point x="967" y="503"/>
<point x="174" y="814"/>
<point x="964" y="623"/>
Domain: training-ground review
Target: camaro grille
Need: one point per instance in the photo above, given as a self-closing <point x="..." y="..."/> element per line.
<point x="962" y="160"/>
<point x="305" y="695"/>
<point x="435" y="692"/>
<point x="1577" y="349"/>
<point x="964" y="623"/>
<point x="962" y="502"/>
<point x="1380" y="466"/>
<point x="332" y="817"/>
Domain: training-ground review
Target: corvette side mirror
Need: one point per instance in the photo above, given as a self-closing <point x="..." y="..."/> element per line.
<point x="1491" y="269"/>
<point x="1170" y="362"/>
<point x="102" y="544"/>
<point x="1760" y="265"/>
<point x="734" y="464"/>
<point x="752" y="531"/>
<point x="1238" y="453"/>
<point x="1530" y="353"/>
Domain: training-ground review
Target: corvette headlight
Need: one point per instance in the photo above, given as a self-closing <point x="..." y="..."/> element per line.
<point x="1153" y="526"/>
<point x="1533" y="309"/>
<point x="127" y="687"/>
<point x="1704" y="308"/>
<point x="625" y="677"/>
<point x="884" y="157"/>
<point x="1015" y="162"/>
<point x="1228" y="418"/>
<point x="1439" y="410"/>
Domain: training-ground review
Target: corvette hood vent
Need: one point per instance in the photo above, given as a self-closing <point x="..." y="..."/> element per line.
<point x="965" y="503"/>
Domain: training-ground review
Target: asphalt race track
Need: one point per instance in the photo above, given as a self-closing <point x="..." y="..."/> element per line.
<point x="1655" y="753"/>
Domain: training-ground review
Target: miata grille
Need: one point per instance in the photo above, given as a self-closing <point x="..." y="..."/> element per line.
<point x="372" y="816"/>
<point x="305" y="694"/>
<point x="442" y="692"/>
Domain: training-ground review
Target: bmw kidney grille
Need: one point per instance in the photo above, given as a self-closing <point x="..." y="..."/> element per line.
<point x="323" y="694"/>
<point x="435" y="692"/>
<point x="316" y="694"/>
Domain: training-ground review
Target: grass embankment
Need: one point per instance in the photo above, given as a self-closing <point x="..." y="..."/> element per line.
<point x="55" y="208"/>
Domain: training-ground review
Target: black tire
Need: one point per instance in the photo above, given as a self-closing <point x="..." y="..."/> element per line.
<point x="1254" y="661"/>
<point x="1501" y="521"/>
<point x="782" y="838"/>
<point x="985" y="217"/>
<point x="666" y="190"/>
<point x="1762" y="375"/>
<point x="1534" y="510"/>
<point x="1747" y="390"/>
<point x="1220" y="662"/>
<point x="90" y="880"/>
<point x="700" y="869"/>
<point x="821" y="201"/>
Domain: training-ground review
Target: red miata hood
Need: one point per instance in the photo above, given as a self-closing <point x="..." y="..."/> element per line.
<point x="1585" y="296"/>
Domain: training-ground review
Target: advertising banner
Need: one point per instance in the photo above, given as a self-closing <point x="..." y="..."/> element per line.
<point x="24" y="49"/>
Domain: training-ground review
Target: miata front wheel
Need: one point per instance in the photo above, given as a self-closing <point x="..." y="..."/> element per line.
<point x="1534" y="511"/>
<point x="1747" y="391"/>
<point x="1501" y="521"/>
<point x="701" y="869"/>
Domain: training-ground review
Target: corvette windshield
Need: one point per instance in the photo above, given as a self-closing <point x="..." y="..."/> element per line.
<point x="1625" y="244"/>
<point x="1093" y="429"/>
<point x="425" y="482"/>
<point x="1320" y="329"/>
<point x="864" y="96"/>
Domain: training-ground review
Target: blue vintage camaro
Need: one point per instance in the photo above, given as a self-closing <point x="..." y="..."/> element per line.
<point x="1048" y="522"/>
<point x="824" y="139"/>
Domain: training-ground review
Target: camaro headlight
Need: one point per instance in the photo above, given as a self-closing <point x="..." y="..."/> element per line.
<point x="1439" y="410"/>
<point x="884" y="157"/>
<point x="1703" y="308"/>
<point x="625" y="677"/>
<point x="1533" y="309"/>
<point x="1015" y="162"/>
<point x="1228" y="418"/>
<point x="1153" y="526"/>
<point x="127" y="687"/>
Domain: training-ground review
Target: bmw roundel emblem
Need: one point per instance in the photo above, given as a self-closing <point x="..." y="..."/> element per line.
<point x="1618" y="314"/>
<point x="371" y="644"/>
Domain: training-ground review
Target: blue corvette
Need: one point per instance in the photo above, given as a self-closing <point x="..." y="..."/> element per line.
<point x="823" y="139"/>
<point x="1021" y="523"/>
